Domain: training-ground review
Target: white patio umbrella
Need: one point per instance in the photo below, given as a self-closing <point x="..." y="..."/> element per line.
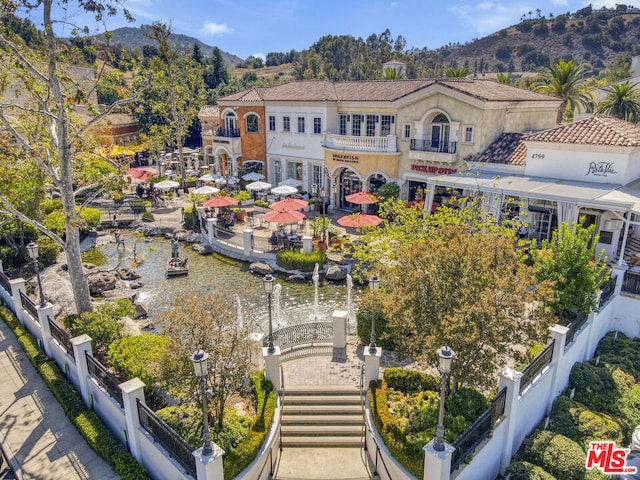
<point x="291" y="182"/>
<point x="284" y="190"/>
<point x="166" y="185"/>
<point x="227" y="180"/>
<point x="257" y="186"/>
<point x="206" y="190"/>
<point x="209" y="177"/>
<point x="253" y="176"/>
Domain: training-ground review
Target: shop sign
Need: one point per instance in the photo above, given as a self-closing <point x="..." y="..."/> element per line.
<point x="345" y="158"/>
<point x="600" y="169"/>
<point x="433" y="169"/>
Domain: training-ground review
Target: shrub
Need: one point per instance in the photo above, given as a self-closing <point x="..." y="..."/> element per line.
<point x="409" y="455"/>
<point x="555" y="453"/>
<point x="51" y="205"/>
<point x="138" y="356"/>
<point x="94" y="256"/>
<point x="238" y="459"/>
<point x="147" y="216"/>
<point x="54" y="220"/>
<point x="305" y="262"/>
<point x="594" y="386"/>
<point x="468" y="403"/>
<point x="48" y="251"/>
<point x="410" y="381"/>
<point x="366" y="309"/>
<point x="541" y="29"/>
<point x="242" y="196"/>
<point x="92" y="218"/>
<point x="103" y="325"/>
<point x="527" y="471"/>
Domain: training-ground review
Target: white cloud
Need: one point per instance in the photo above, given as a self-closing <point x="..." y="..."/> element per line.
<point x="605" y="3"/>
<point x="560" y="2"/>
<point x="394" y="4"/>
<point x="485" y="17"/>
<point x="212" y="28"/>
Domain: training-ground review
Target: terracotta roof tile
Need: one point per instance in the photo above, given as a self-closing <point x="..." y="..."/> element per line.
<point x="381" y="91"/>
<point x="507" y="149"/>
<point x="209" y="111"/>
<point x="605" y="131"/>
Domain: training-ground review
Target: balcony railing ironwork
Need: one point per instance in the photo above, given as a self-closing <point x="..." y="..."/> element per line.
<point x="436" y="146"/>
<point x="227" y="132"/>
<point x="536" y="366"/>
<point x="310" y="333"/>
<point x="62" y="336"/>
<point x="105" y="379"/>
<point x="173" y="443"/>
<point x="29" y="306"/>
<point x="466" y="443"/>
<point x="4" y="281"/>
<point x="575" y="325"/>
<point x="607" y="290"/>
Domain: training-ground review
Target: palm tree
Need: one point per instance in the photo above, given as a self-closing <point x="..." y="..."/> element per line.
<point x="392" y="74"/>
<point x="622" y="101"/>
<point x="504" y="78"/>
<point x="453" y="72"/>
<point x="565" y="80"/>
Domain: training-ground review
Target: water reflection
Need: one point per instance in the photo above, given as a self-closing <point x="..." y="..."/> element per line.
<point x="212" y="272"/>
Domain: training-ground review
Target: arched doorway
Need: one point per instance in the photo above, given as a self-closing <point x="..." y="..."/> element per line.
<point x="349" y="182"/>
<point x="440" y="133"/>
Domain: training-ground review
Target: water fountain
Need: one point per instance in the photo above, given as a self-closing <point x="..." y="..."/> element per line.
<point x="276" y="306"/>
<point x="349" y="287"/>
<point x="316" y="281"/>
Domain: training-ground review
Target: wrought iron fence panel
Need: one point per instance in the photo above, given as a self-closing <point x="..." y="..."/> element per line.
<point x="302" y="334"/>
<point x="62" y="336"/>
<point x="29" y="306"/>
<point x="466" y="443"/>
<point x="575" y="326"/>
<point x="173" y="443"/>
<point x="607" y="290"/>
<point x="535" y="367"/>
<point x="4" y="281"/>
<point x="498" y="404"/>
<point x="105" y="379"/>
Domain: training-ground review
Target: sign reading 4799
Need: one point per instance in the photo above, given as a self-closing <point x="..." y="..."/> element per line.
<point x="609" y="459"/>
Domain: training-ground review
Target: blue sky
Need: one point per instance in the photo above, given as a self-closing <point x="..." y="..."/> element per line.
<point x="256" y="27"/>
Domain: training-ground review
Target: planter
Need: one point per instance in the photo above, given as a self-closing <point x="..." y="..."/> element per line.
<point x="318" y="244"/>
<point x="240" y="214"/>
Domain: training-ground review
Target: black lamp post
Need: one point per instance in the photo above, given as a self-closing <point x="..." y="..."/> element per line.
<point x="374" y="283"/>
<point x="227" y="170"/>
<point x="268" y="288"/>
<point x="32" y="247"/>
<point x="445" y="359"/>
<point x="323" y="195"/>
<point x="199" y="360"/>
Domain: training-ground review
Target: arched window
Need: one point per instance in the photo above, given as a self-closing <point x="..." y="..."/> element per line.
<point x="252" y="123"/>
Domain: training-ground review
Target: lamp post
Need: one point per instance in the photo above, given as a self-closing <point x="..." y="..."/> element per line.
<point x="199" y="360"/>
<point x="445" y="359"/>
<point x="268" y="288"/>
<point x="323" y="195"/>
<point x="374" y="283"/>
<point x="227" y="170"/>
<point x="32" y="247"/>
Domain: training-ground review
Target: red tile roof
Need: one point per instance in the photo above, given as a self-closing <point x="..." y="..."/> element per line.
<point x="605" y="131"/>
<point x="507" y="149"/>
<point x="382" y="90"/>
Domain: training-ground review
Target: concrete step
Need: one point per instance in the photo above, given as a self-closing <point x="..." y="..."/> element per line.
<point x="321" y="409"/>
<point x="291" y="431"/>
<point x="320" y="389"/>
<point x="322" y="419"/>
<point x="322" y="400"/>
<point x="313" y="441"/>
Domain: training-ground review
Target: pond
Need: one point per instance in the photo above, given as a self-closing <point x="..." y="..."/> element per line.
<point x="213" y="272"/>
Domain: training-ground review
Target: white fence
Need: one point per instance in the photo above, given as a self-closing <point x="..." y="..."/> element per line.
<point x="151" y="442"/>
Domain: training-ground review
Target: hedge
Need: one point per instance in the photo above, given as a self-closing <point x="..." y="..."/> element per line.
<point x="555" y="453"/>
<point x="527" y="471"/>
<point x="411" y="457"/>
<point x="305" y="262"/>
<point x="410" y="381"/>
<point x="97" y="436"/>
<point x="238" y="459"/>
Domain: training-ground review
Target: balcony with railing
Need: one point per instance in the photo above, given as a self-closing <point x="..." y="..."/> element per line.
<point x="352" y="143"/>
<point x="227" y="136"/>
<point x="431" y="150"/>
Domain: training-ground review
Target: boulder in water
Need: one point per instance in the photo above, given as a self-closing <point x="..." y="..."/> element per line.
<point x="336" y="274"/>
<point x="260" y="268"/>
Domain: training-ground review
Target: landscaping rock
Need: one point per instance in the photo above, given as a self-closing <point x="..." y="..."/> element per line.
<point x="336" y="274"/>
<point x="260" y="268"/>
<point x="126" y="273"/>
<point x="203" y="249"/>
<point x="142" y="311"/>
<point x="100" y="282"/>
<point x="298" y="278"/>
<point x="136" y="285"/>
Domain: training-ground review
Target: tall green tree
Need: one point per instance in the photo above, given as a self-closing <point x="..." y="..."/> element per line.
<point x="570" y="261"/>
<point x="621" y="101"/>
<point x="172" y="91"/>
<point x="42" y="121"/>
<point x="566" y="80"/>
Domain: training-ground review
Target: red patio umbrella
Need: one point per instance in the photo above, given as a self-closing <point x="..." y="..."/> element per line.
<point x="283" y="216"/>
<point x="140" y="173"/>
<point x="289" y="204"/>
<point x="362" y="198"/>
<point x="220" y="201"/>
<point x="357" y="220"/>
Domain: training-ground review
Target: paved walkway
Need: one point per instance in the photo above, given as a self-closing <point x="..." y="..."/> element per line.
<point x="38" y="438"/>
